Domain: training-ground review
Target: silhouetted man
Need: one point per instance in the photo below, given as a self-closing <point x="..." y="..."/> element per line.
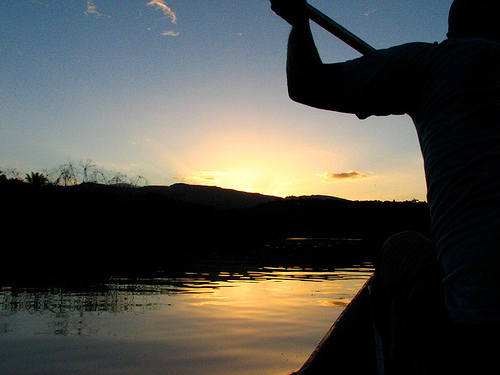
<point x="451" y="90"/>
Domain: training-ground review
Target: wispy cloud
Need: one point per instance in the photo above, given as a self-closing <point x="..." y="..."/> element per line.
<point x="170" y="33"/>
<point x="333" y="177"/>
<point x="203" y="177"/>
<point x="92" y="9"/>
<point x="160" y="5"/>
<point x="40" y="3"/>
<point x="168" y="13"/>
<point x="368" y="13"/>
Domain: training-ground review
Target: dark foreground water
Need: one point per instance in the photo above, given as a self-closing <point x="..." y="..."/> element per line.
<point x="263" y="321"/>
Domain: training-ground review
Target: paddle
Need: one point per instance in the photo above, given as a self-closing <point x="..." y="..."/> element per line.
<point x="333" y="27"/>
<point x="339" y="31"/>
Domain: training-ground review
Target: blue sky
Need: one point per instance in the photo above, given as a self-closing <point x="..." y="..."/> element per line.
<point x="195" y="91"/>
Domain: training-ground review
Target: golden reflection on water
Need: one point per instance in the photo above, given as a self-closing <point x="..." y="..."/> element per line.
<point x="265" y="321"/>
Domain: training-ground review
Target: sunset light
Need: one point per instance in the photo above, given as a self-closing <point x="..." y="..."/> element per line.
<point x="195" y="92"/>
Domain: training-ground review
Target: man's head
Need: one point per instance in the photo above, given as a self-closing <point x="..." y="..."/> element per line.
<point x="474" y="19"/>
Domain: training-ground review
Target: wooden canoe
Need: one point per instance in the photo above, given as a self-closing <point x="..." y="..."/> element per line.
<point x="349" y="345"/>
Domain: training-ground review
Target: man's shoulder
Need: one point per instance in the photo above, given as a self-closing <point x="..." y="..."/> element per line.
<point x="413" y="46"/>
<point x="402" y="52"/>
<point x="468" y="45"/>
<point x="446" y="46"/>
<point x="469" y="51"/>
<point x="453" y="45"/>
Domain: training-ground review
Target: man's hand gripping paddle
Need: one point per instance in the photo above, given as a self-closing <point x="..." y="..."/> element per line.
<point x="288" y="9"/>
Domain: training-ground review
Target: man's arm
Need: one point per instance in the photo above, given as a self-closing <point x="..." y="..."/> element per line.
<point x="310" y="81"/>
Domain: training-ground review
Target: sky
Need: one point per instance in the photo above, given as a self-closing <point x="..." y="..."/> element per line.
<point x="195" y="91"/>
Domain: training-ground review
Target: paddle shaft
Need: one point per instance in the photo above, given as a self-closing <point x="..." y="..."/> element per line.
<point x="339" y="31"/>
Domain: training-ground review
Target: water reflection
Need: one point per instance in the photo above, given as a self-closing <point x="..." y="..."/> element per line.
<point x="207" y="320"/>
<point x="134" y="294"/>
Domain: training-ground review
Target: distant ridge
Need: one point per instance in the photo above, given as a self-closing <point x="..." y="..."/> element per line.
<point x="211" y="196"/>
<point x="319" y="197"/>
<point x="223" y="198"/>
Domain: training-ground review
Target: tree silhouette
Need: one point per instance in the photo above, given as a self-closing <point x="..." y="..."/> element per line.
<point x="37" y="179"/>
<point x="73" y="173"/>
<point x="67" y="175"/>
<point x="87" y="167"/>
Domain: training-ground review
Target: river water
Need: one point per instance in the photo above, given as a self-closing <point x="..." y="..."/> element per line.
<point x="209" y="320"/>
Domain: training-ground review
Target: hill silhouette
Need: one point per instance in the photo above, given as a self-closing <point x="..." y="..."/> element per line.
<point x="210" y="195"/>
<point x="91" y="228"/>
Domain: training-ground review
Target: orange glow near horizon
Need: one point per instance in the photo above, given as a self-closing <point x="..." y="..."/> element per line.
<point x="256" y="160"/>
<point x="285" y="167"/>
<point x="270" y="153"/>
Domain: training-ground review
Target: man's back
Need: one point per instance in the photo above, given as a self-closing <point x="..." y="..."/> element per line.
<point x="452" y="92"/>
<point x="457" y="116"/>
